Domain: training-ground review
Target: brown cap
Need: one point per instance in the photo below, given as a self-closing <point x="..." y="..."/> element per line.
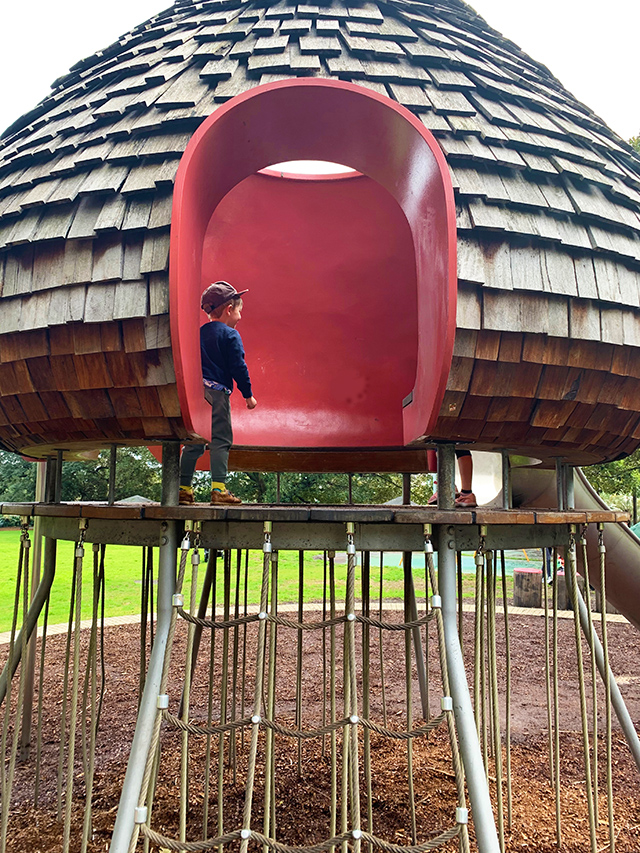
<point x="218" y="294"/>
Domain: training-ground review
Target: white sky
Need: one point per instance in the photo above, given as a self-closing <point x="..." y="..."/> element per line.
<point x="591" y="47"/>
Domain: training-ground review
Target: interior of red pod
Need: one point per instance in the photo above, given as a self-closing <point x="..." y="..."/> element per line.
<point x="350" y="317"/>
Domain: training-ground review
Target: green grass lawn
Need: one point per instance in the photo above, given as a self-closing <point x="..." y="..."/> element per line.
<point x="123" y="573"/>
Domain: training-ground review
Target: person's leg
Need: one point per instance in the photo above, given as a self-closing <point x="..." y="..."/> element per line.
<point x="188" y="461"/>
<point x="465" y="466"/>
<point x="221" y="441"/>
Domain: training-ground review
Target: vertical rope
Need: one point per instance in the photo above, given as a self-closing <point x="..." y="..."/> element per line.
<point x="460" y="600"/>
<point x="333" y="817"/>
<point x="571" y="559"/>
<point x="325" y="670"/>
<point x="22" y="582"/>
<point x="409" y="695"/>
<point x="299" y="657"/>
<point x="594" y="692"/>
<point x="607" y="685"/>
<point x="91" y="692"/>
<point x="507" y="656"/>
<point x="366" y="703"/>
<point x="380" y="644"/>
<point x="493" y="681"/>
<point x="79" y="558"/>
<point x="259" y="686"/>
<point x="350" y="651"/>
<point x="213" y="555"/>
<point x="269" y="754"/>
<point x="556" y="700"/>
<point x="43" y="647"/>
<point x="245" y="610"/>
<point x="233" y="741"/>
<point x="186" y="695"/>
<point x="65" y="692"/>
<point x="144" y="614"/>
<point x="224" y="690"/>
<point x="547" y="572"/>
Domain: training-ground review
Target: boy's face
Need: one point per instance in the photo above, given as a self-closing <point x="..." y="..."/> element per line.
<point x="234" y="314"/>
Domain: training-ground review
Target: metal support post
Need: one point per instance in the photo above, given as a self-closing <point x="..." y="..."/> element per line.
<point x="132" y="786"/>
<point x="113" y="457"/>
<point x="561" y="483"/>
<point x="50" y="479"/>
<point x="446" y="476"/>
<point x="170" y="473"/>
<point x="125" y="820"/>
<point x="486" y="835"/>
<point x="406" y="489"/>
<point x="507" y="490"/>
<point x="57" y="490"/>
<point x="569" y="485"/>
<point x="626" y="723"/>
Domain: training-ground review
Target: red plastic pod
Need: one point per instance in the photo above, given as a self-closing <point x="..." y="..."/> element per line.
<point x="352" y="281"/>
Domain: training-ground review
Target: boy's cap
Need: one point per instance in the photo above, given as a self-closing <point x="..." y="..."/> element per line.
<point x="217" y="294"/>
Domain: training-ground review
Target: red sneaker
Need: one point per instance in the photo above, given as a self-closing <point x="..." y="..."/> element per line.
<point x="466" y="500"/>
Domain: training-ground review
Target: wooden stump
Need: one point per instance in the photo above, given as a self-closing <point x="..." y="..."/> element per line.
<point x="527" y="587"/>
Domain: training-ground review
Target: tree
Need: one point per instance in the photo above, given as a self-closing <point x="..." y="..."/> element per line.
<point x="635" y="142"/>
<point x="139" y="473"/>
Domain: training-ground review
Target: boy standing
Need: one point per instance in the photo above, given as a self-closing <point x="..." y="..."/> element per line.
<point x="222" y="355"/>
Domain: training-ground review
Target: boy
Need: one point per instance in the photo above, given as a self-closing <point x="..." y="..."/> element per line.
<point x="223" y="362"/>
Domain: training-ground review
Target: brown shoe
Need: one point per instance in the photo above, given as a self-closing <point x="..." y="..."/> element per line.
<point x="223" y="497"/>
<point x="185" y="496"/>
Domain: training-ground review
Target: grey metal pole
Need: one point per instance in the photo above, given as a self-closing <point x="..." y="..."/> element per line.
<point x="446" y="476"/>
<point x="113" y="458"/>
<point x="569" y="485"/>
<point x="622" y="713"/>
<point x="561" y="490"/>
<point x="483" y="820"/>
<point x="125" y="820"/>
<point x="406" y="489"/>
<point x="57" y="489"/>
<point x="507" y="490"/>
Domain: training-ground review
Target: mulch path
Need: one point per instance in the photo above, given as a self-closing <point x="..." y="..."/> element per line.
<point x="303" y="791"/>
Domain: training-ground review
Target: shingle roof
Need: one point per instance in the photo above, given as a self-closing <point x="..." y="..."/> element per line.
<point x="548" y="198"/>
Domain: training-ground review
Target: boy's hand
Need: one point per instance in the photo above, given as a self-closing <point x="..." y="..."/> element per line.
<point x="251" y="402"/>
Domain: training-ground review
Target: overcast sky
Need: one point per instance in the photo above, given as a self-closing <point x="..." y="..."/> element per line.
<point x="592" y="48"/>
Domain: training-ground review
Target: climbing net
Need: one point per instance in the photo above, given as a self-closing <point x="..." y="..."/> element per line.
<point x="345" y="730"/>
<point x="239" y="728"/>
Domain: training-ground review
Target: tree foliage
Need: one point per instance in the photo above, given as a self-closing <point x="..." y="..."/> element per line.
<point x="616" y="481"/>
<point x="139" y="473"/>
<point x="635" y="142"/>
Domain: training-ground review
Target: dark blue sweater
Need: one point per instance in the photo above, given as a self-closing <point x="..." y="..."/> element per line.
<point x="222" y="357"/>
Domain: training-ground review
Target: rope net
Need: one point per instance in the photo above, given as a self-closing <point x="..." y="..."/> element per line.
<point x="272" y="715"/>
<point x="255" y="720"/>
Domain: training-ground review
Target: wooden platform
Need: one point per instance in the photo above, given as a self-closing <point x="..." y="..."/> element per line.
<point x="364" y="514"/>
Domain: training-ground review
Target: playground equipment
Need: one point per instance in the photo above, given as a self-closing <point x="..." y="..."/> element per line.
<point x="476" y="282"/>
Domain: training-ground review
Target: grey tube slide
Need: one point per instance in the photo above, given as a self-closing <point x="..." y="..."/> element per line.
<point x="537" y="488"/>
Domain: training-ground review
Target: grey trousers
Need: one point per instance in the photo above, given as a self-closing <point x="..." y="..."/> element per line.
<point x="221" y="441"/>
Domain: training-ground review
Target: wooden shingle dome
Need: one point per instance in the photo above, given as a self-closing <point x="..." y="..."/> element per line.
<point x="547" y="349"/>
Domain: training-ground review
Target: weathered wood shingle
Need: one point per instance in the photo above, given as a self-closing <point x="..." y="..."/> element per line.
<point x="547" y="198"/>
